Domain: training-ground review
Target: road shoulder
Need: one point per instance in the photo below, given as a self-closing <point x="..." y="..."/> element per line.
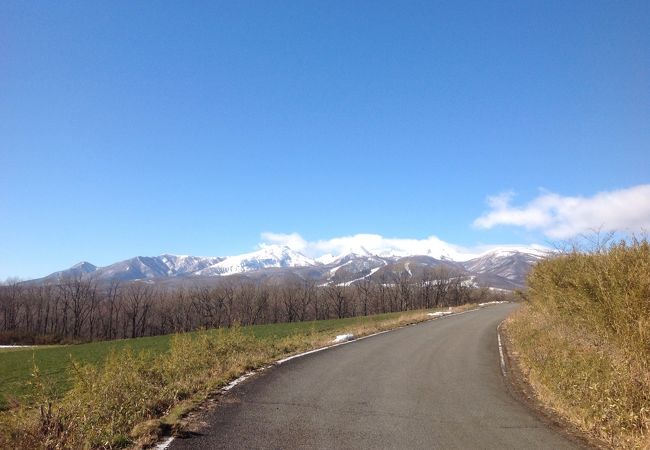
<point x="518" y="387"/>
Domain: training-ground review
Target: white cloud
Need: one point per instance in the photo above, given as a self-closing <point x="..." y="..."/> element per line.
<point x="375" y="244"/>
<point x="292" y="240"/>
<point x="560" y="217"/>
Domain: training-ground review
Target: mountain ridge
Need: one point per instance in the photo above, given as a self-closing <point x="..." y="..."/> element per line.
<point x="504" y="266"/>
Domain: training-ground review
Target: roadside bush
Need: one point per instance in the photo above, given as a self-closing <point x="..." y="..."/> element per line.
<point x="584" y="339"/>
<point x="106" y="402"/>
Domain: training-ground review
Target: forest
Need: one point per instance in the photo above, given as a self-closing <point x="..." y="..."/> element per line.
<point x="82" y="309"/>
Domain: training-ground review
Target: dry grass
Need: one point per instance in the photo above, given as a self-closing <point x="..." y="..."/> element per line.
<point x="132" y="398"/>
<point x="584" y="340"/>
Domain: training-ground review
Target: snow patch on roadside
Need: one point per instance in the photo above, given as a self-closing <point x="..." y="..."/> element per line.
<point x="439" y="313"/>
<point x="492" y="303"/>
<point x="343" y="338"/>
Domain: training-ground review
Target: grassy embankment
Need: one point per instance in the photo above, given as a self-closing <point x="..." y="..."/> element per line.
<point x="583" y="340"/>
<point x="123" y="393"/>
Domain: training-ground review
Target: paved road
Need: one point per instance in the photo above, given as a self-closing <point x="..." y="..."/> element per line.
<point x="436" y="385"/>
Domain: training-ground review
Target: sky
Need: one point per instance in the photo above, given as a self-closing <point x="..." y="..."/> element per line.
<point x="211" y="128"/>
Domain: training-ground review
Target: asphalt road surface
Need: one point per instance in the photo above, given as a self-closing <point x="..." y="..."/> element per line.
<point x="435" y="385"/>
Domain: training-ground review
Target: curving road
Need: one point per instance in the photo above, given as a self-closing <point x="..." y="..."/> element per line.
<point x="435" y="385"/>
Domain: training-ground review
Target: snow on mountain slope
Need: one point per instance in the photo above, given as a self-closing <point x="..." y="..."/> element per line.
<point x="509" y="250"/>
<point x="138" y="268"/>
<point x="507" y="262"/>
<point x="145" y="267"/>
<point x="504" y="266"/>
<point x="351" y="282"/>
<point x="78" y="270"/>
<point x="368" y="244"/>
<point x="350" y="266"/>
<point x="267" y="257"/>
<point x="185" y="264"/>
<point x="328" y="258"/>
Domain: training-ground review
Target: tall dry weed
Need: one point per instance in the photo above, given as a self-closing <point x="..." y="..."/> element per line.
<point x="585" y="339"/>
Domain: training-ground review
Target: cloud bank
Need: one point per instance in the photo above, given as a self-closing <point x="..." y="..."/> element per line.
<point x="375" y="244"/>
<point x="562" y="217"/>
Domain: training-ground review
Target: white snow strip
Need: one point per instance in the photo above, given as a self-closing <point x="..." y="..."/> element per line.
<point x="333" y="271"/>
<point x="492" y="303"/>
<point x="343" y="338"/>
<point x="16" y="346"/>
<point x="499" y="289"/>
<point x="470" y="282"/>
<point x="439" y="313"/>
<point x="372" y="271"/>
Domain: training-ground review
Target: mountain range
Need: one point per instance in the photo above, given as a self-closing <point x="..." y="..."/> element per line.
<point x="504" y="268"/>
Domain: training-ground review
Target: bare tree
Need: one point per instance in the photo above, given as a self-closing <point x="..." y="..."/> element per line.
<point x="338" y="299"/>
<point x="138" y="303"/>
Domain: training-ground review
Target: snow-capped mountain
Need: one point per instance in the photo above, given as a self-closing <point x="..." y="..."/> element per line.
<point x="80" y="269"/>
<point x="139" y="268"/>
<point x="510" y="263"/>
<point x="504" y="267"/>
<point x="185" y="264"/>
<point x="354" y="266"/>
<point x="267" y="257"/>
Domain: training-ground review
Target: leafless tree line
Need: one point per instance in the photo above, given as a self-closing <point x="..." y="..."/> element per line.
<point x="75" y="310"/>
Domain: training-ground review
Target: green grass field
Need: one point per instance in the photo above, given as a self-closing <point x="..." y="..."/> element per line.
<point x="16" y="365"/>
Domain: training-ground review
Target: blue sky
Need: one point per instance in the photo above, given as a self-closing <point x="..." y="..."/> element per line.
<point x="194" y="127"/>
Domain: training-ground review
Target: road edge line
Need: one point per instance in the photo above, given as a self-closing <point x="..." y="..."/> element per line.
<point x="502" y="358"/>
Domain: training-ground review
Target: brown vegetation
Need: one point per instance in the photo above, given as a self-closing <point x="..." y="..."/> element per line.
<point x="584" y="340"/>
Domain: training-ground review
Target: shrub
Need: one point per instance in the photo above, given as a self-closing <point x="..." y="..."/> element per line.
<point x="584" y="339"/>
